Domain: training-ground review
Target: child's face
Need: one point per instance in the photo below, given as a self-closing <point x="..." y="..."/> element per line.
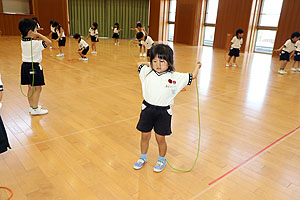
<point x="241" y="35"/>
<point x="116" y="26"/>
<point x="159" y="65"/>
<point x="93" y="26"/>
<point x="295" y="39"/>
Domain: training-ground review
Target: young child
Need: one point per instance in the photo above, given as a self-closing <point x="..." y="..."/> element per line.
<point x="53" y="35"/>
<point x="37" y="24"/>
<point x="61" y="38"/>
<point x="116" y="34"/>
<point x="235" y="47"/>
<point x="31" y="57"/>
<point x="287" y="50"/>
<point x="146" y="41"/>
<point x="160" y="84"/>
<point x="93" y="32"/>
<point x="4" y="144"/>
<point x="140" y="28"/>
<point x="296" y="58"/>
<point x="83" y="47"/>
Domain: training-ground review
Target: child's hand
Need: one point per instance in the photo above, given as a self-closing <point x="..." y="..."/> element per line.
<point x="199" y="64"/>
<point x="32" y="34"/>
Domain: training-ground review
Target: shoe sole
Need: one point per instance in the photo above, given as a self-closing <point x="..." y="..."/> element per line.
<point x="157" y="170"/>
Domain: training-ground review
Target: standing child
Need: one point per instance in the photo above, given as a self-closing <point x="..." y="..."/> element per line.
<point x="160" y="84"/>
<point x="93" y="32"/>
<point x="31" y="70"/>
<point x="235" y="47"/>
<point x="83" y="46"/>
<point x="140" y="28"/>
<point x="296" y="58"/>
<point x="116" y="29"/>
<point x="37" y="24"/>
<point x="53" y="35"/>
<point x="287" y="50"/>
<point x="146" y="40"/>
<point x="4" y="144"/>
<point x="61" y="38"/>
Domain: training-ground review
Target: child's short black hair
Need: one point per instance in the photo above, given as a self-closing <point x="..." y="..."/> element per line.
<point x="25" y="25"/>
<point x="239" y="31"/>
<point x="117" y="24"/>
<point x="95" y="24"/>
<point x="76" y="35"/>
<point x="139" y="25"/>
<point x="295" y="34"/>
<point x="51" y="21"/>
<point x="55" y="24"/>
<point x="163" y="52"/>
<point x="139" y="35"/>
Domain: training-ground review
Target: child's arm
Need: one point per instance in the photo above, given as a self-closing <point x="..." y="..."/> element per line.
<point x="1" y="95"/>
<point x="35" y="35"/>
<point x="87" y="37"/>
<point x="132" y="29"/>
<point x="280" y="49"/>
<point x="145" y="63"/>
<point x="145" y="31"/>
<point x="196" y="69"/>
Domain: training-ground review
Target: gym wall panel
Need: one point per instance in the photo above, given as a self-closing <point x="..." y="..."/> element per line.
<point x="232" y="14"/>
<point x="9" y="23"/>
<point x="154" y="19"/>
<point x="44" y="10"/>
<point x="187" y="22"/>
<point x="289" y="21"/>
<point x="83" y="13"/>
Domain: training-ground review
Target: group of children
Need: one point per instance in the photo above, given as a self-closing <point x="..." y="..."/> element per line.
<point x="160" y="83"/>
<point x="290" y="48"/>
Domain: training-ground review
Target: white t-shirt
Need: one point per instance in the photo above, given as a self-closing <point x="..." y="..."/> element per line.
<point x="289" y="46"/>
<point x="58" y="33"/>
<point x="52" y="29"/>
<point x="37" y="47"/>
<point x="161" y="89"/>
<point x="116" y="30"/>
<point x="297" y="45"/>
<point x="93" y="32"/>
<point x="148" y="42"/>
<point x="82" y="44"/>
<point x="236" y="43"/>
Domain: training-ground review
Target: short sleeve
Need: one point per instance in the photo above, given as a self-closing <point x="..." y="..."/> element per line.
<point x="233" y="39"/>
<point x="40" y="44"/>
<point x="182" y="79"/>
<point x="241" y="41"/>
<point x="151" y="41"/>
<point x="96" y="32"/>
<point x="143" y="71"/>
<point x="286" y="43"/>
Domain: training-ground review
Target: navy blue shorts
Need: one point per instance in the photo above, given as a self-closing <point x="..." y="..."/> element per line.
<point x="156" y="117"/>
<point x="284" y="55"/>
<point x="234" y="52"/>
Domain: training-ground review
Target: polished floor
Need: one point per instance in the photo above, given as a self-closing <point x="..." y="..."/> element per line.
<point x="86" y="146"/>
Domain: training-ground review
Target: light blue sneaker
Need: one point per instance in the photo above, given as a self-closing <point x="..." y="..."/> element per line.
<point x="160" y="165"/>
<point x="139" y="164"/>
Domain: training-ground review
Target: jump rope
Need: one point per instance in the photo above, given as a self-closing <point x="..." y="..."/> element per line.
<point x="199" y="135"/>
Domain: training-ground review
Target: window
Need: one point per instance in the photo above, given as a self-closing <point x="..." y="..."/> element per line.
<point x="171" y="20"/>
<point x="267" y="25"/>
<point x="210" y="22"/>
<point x="16" y="6"/>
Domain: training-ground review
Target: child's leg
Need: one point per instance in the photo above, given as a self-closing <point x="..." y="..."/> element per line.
<point x="144" y="49"/>
<point x="162" y="144"/>
<point x="141" y="49"/>
<point x="298" y="64"/>
<point x="94" y="46"/>
<point x="234" y="59"/>
<point x="145" y="138"/>
<point x="229" y="58"/>
<point x="33" y="98"/>
<point x="61" y="49"/>
<point x="283" y="64"/>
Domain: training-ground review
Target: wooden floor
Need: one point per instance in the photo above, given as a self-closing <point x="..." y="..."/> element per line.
<point x="86" y="146"/>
